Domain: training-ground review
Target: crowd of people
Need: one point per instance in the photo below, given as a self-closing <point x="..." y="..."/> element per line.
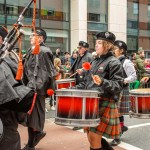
<point x="112" y="74"/>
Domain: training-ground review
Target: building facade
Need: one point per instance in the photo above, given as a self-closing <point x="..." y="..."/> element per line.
<point x="69" y="21"/>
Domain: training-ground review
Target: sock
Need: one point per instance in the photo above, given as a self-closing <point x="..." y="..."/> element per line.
<point x="106" y="145"/>
<point x="121" y="118"/>
<point x="30" y="137"/>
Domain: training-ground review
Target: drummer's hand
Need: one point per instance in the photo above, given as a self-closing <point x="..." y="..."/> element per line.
<point x="97" y="80"/>
<point x="144" y="79"/>
<point x="79" y="71"/>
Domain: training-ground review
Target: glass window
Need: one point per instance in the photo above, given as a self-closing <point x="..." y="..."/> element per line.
<point x="15" y="7"/>
<point x="97" y="17"/>
<point x="97" y="10"/>
<point x="135" y="8"/>
<point x="149" y="10"/>
<point x="55" y="18"/>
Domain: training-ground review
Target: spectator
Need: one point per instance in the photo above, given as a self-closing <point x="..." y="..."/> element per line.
<point x="73" y="57"/>
<point x="141" y="71"/>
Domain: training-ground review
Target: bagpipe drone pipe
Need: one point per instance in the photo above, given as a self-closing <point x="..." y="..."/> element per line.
<point x="14" y="95"/>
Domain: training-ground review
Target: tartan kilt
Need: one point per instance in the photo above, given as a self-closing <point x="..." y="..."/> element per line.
<point x="109" y="120"/>
<point x="124" y="102"/>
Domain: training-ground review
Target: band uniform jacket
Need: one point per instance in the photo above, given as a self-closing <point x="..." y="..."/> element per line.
<point x="42" y="66"/>
<point x="10" y="90"/>
<point x="110" y="70"/>
<point x="87" y="57"/>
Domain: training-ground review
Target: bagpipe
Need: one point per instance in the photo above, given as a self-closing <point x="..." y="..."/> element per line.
<point x="14" y="95"/>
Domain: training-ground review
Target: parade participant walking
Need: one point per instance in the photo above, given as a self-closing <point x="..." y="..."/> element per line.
<point x="83" y="56"/>
<point x="8" y="117"/>
<point x="14" y="98"/>
<point x="105" y="76"/>
<point x="39" y="75"/>
<point x="130" y="76"/>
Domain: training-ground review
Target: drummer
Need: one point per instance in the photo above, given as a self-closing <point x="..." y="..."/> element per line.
<point x="106" y="77"/>
<point x="83" y="56"/>
<point x="120" y="51"/>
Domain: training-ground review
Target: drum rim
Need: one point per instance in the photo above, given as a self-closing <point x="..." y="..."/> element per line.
<point x="63" y="80"/>
<point x="136" y="92"/>
<point x="78" y="90"/>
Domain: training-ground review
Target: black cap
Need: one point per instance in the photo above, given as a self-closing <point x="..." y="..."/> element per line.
<point x="121" y="45"/>
<point x="3" y="32"/>
<point x="41" y="32"/>
<point x="107" y="36"/>
<point x="83" y="44"/>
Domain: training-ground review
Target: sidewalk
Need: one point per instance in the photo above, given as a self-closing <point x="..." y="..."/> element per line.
<point x="58" y="137"/>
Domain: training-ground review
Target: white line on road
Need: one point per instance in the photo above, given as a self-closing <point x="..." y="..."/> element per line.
<point x="128" y="146"/>
<point x="139" y="125"/>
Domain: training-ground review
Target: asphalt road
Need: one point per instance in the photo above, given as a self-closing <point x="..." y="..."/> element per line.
<point x="136" y="138"/>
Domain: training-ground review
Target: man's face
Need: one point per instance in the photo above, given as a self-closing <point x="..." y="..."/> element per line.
<point x="35" y="38"/>
<point x="81" y="50"/>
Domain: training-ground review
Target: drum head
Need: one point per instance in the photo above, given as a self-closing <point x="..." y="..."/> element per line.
<point x="1" y="129"/>
<point x="144" y="91"/>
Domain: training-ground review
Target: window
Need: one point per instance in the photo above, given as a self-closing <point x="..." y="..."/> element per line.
<point x="94" y="17"/>
<point x="149" y="10"/>
<point x="1" y="9"/>
<point x="135" y="8"/>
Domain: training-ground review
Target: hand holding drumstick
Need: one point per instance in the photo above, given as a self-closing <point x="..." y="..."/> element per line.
<point x="97" y="80"/>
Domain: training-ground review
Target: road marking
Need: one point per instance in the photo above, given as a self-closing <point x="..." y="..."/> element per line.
<point x="128" y="146"/>
<point x="139" y="125"/>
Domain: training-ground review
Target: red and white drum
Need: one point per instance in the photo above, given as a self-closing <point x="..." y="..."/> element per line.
<point x="77" y="108"/>
<point x="65" y="83"/>
<point x="140" y="103"/>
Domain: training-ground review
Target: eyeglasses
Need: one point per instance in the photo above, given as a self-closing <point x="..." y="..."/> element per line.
<point x="32" y="35"/>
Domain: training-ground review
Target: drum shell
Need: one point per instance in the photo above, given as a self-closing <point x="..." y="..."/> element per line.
<point x="78" y="107"/>
<point x="65" y="83"/>
<point x="140" y="103"/>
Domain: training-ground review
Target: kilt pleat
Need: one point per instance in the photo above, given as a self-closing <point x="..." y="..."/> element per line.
<point x="124" y="102"/>
<point x="109" y="120"/>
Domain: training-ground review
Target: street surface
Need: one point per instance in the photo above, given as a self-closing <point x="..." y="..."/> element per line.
<point x="64" y="138"/>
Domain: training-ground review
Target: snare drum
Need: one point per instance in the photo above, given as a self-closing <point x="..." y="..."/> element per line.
<point x="77" y="108"/>
<point x="140" y="103"/>
<point x="65" y="83"/>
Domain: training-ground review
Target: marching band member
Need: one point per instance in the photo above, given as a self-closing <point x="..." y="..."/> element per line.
<point x="39" y="75"/>
<point x="106" y="77"/>
<point x="130" y="76"/>
<point x="9" y="118"/>
<point x="12" y="93"/>
<point x="83" y="56"/>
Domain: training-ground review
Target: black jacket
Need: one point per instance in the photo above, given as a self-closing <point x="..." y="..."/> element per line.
<point x="87" y="57"/>
<point x="110" y="70"/>
<point x="45" y="72"/>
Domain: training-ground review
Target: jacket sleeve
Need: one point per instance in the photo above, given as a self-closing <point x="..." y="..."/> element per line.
<point x="115" y="82"/>
<point x="46" y="72"/>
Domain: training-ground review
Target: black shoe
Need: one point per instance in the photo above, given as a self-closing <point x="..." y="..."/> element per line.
<point x="106" y="145"/>
<point x="124" y="129"/>
<point x="115" y="142"/>
<point x="28" y="148"/>
<point x="38" y="137"/>
<point x="77" y="128"/>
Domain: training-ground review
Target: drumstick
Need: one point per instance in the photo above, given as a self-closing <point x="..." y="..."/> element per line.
<point x="73" y="74"/>
<point x="85" y="66"/>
